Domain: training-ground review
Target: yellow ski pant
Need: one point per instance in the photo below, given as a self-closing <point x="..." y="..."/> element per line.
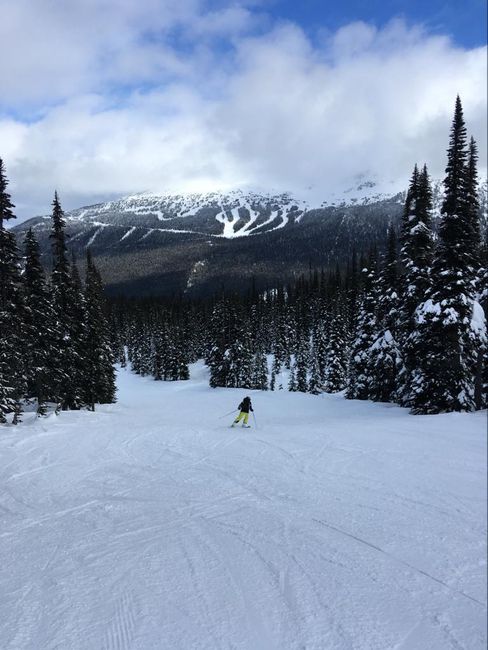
<point x="240" y="416"/>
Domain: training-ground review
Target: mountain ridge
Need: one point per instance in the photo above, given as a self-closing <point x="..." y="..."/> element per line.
<point x="194" y="243"/>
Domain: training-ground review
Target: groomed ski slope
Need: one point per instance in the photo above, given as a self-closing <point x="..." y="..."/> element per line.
<point x="151" y="524"/>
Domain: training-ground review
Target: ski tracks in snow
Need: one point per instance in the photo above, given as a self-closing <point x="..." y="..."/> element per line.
<point x="122" y="625"/>
<point x="138" y="528"/>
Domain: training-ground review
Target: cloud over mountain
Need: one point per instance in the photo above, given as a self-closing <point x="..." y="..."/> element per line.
<point x="107" y="98"/>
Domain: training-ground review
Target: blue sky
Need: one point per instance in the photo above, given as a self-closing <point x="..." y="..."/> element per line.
<point x="463" y="20"/>
<point x="102" y="98"/>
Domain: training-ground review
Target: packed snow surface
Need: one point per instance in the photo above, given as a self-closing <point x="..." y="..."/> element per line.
<point x="151" y="524"/>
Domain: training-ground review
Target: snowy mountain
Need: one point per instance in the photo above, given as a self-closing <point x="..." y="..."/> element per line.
<point x="160" y="243"/>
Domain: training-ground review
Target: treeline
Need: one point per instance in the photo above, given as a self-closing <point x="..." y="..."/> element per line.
<point x="406" y="325"/>
<point x="54" y="334"/>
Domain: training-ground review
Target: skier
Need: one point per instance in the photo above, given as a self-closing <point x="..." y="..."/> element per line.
<point x="244" y="407"/>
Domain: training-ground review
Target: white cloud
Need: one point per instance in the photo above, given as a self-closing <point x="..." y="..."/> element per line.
<point x="274" y="109"/>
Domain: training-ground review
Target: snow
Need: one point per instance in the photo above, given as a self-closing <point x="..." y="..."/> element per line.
<point x="427" y="307"/>
<point x="478" y="320"/>
<point x="147" y="234"/>
<point x="385" y="340"/>
<point x="196" y="270"/>
<point x="270" y="219"/>
<point x="93" y="237"/>
<point x="253" y="216"/>
<point x="284" y="220"/>
<point x="228" y="223"/>
<point x="128" y="233"/>
<point x="151" y="524"/>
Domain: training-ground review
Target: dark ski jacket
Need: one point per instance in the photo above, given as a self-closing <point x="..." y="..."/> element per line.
<point x="245" y="406"/>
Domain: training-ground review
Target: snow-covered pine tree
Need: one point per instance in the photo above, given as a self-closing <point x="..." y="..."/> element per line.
<point x="12" y="362"/>
<point x="416" y="244"/>
<point x="221" y="357"/>
<point x="116" y="342"/>
<point x="477" y="272"/>
<point x="385" y="359"/>
<point x="336" y="357"/>
<point x="141" y="349"/>
<point x="450" y="328"/>
<point x="358" y="375"/>
<point x="320" y="344"/>
<point x="99" y="378"/>
<point x="171" y="365"/>
<point x="182" y="356"/>
<point x="245" y="362"/>
<point x="6" y="205"/>
<point x="66" y="300"/>
<point x="352" y="296"/>
<point x="275" y="372"/>
<point x="77" y="335"/>
<point x="416" y="260"/>
<point x="292" y="377"/>
<point x="315" y="383"/>
<point x="238" y="362"/>
<point x="481" y="386"/>
<point x="472" y="208"/>
<point x="41" y="334"/>
<point x="302" y="361"/>
<point x="259" y="369"/>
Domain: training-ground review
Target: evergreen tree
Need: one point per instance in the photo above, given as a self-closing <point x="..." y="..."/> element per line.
<point x="352" y="293"/>
<point x="315" y="383"/>
<point x="66" y="304"/>
<point x="77" y="337"/>
<point x="42" y="355"/>
<point x="99" y="379"/>
<point x="12" y="362"/>
<point x="416" y="259"/>
<point x="302" y="363"/>
<point x="221" y="357"/>
<point x="472" y="207"/>
<point x="336" y="359"/>
<point x="182" y="357"/>
<point x="358" y="375"/>
<point x="259" y="370"/>
<point x="481" y="385"/>
<point x="450" y="332"/>
<point x="275" y="369"/>
<point x="385" y="358"/>
<point x="6" y="205"/>
<point x="320" y="347"/>
<point x="292" y="378"/>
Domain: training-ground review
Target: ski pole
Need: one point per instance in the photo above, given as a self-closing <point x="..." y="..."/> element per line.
<point x="226" y="414"/>
<point x="255" y="422"/>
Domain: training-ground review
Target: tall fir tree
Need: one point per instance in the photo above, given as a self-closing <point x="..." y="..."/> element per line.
<point x="358" y="374"/>
<point x="41" y="334"/>
<point x="449" y="330"/>
<point x="481" y="387"/>
<point x="416" y="260"/>
<point x="259" y="369"/>
<point x="315" y="383"/>
<point x="66" y="300"/>
<point x="6" y="205"/>
<point x="99" y="377"/>
<point x="336" y="358"/>
<point x="320" y="344"/>
<point x="472" y="207"/>
<point x="385" y="358"/>
<point x="12" y="362"/>
<point x="302" y="362"/>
